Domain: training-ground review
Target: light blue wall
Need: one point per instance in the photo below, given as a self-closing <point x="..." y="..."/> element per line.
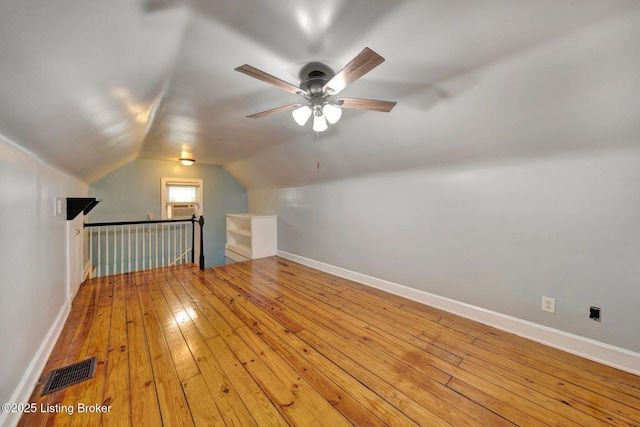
<point x="133" y="191"/>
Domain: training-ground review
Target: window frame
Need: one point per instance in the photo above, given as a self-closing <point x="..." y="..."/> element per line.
<point x="165" y="181"/>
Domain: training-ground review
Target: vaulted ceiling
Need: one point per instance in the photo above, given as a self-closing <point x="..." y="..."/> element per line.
<point x="90" y="85"/>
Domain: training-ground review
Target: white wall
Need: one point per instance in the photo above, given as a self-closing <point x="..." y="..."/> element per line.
<point x="524" y="182"/>
<point x="496" y="236"/>
<point x="574" y="93"/>
<point x="33" y="267"/>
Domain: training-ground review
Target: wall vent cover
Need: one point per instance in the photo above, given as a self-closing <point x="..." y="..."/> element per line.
<point x="69" y="375"/>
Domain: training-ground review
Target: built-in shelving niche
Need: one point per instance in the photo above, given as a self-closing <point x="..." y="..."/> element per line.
<point x="75" y="205"/>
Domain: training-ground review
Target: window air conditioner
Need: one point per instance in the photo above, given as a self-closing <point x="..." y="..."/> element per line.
<point x="183" y="210"/>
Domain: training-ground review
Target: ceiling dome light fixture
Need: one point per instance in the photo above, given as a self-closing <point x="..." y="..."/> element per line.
<point x="186" y="162"/>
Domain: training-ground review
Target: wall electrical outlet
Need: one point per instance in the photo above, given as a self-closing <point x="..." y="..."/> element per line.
<point x="549" y="304"/>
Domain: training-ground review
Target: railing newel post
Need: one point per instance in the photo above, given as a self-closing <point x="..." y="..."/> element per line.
<point x="201" y="222"/>
<point x="193" y="238"/>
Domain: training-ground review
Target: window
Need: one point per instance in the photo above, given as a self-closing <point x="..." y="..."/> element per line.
<point x="181" y="197"/>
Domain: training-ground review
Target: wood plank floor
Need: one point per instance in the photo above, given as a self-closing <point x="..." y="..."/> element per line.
<point x="274" y="343"/>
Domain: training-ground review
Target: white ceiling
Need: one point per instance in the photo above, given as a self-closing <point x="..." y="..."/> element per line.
<point x="90" y="85"/>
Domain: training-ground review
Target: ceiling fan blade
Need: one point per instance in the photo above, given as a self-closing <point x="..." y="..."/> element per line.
<point x="364" y="62"/>
<point x="274" y="111"/>
<point x="366" y="104"/>
<point x="268" y="78"/>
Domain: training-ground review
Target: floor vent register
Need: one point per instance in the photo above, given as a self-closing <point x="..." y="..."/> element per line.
<point x="69" y="375"/>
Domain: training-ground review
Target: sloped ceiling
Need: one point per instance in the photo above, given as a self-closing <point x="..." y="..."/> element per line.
<point x="89" y="85"/>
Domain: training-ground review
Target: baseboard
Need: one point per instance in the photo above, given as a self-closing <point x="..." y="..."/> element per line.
<point x="606" y="354"/>
<point x="86" y="271"/>
<point x="30" y="378"/>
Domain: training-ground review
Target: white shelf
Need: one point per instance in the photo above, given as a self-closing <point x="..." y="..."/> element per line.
<point x="234" y="256"/>
<point x="252" y="236"/>
<point x="240" y="231"/>
<point x="250" y="216"/>
<point x="239" y="249"/>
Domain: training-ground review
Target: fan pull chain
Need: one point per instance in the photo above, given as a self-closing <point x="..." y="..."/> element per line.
<point x="317" y="152"/>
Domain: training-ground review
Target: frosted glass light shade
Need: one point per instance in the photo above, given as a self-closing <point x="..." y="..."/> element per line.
<point x="319" y="123"/>
<point x="332" y="113"/>
<point x="301" y="115"/>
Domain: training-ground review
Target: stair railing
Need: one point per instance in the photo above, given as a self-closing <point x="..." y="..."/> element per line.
<point x="126" y="246"/>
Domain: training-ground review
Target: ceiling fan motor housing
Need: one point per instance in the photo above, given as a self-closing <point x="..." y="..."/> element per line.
<point x="314" y="83"/>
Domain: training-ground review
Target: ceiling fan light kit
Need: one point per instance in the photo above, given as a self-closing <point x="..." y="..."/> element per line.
<point x="301" y="114"/>
<point x="332" y="113"/>
<point x="319" y="122"/>
<point x="320" y="87"/>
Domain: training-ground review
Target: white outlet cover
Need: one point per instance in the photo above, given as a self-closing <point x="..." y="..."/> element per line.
<point x="549" y="304"/>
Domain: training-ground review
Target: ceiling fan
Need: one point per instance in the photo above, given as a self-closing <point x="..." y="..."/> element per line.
<point x="319" y="87"/>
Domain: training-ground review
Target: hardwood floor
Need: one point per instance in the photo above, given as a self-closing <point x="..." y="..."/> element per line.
<point x="271" y="343"/>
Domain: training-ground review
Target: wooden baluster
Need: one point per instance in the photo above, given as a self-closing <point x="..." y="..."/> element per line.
<point x="137" y="247"/>
<point x="129" y="249"/>
<point x="156" y="234"/>
<point x="115" y="250"/>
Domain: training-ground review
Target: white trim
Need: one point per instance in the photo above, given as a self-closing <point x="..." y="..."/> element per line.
<point x="606" y="354"/>
<point x="164" y="181"/>
<point x="86" y="271"/>
<point x="31" y="376"/>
